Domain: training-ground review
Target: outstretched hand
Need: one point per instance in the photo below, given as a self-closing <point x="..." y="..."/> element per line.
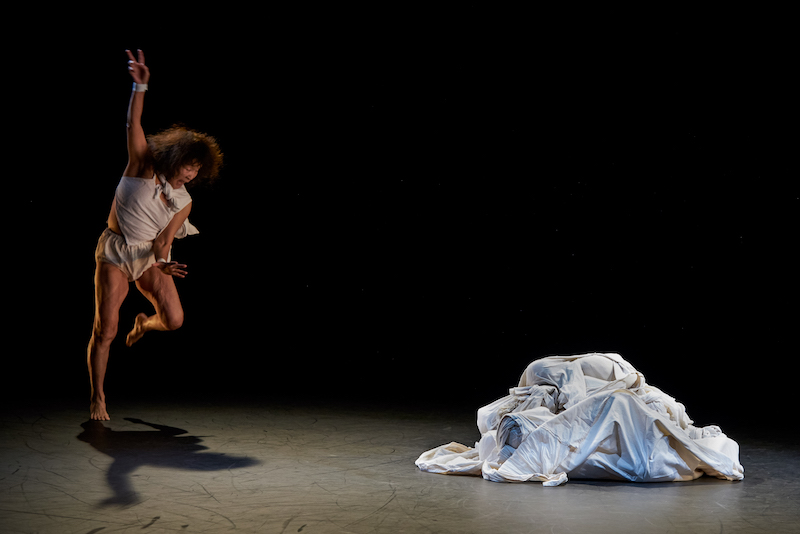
<point x="172" y="268"/>
<point x="139" y="71"/>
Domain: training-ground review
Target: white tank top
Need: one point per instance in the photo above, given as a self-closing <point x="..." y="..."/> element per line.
<point x="141" y="213"/>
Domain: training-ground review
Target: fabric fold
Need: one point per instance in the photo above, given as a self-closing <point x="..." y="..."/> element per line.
<point x="587" y="416"/>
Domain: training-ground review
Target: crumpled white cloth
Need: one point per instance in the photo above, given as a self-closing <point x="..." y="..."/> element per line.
<point x="587" y="416"/>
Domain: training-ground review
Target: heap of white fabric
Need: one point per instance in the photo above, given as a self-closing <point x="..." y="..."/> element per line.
<point x="587" y="416"/>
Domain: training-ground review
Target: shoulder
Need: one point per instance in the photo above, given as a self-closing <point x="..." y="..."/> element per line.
<point x="129" y="180"/>
<point x="133" y="179"/>
<point x="182" y="199"/>
<point x="182" y="195"/>
<point x="129" y="185"/>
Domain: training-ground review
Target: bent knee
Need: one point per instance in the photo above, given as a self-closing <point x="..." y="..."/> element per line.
<point x="173" y="321"/>
<point x="104" y="333"/>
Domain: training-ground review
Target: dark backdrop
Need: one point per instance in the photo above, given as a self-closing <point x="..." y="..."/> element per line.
<point x="416" y="204"/>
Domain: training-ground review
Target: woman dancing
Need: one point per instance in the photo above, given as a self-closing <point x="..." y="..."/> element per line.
<point x="150" y="209"/>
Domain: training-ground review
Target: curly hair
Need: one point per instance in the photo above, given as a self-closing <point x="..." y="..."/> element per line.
<point x="178" y="146"/>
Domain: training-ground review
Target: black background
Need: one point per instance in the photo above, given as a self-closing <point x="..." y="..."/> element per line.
<point x="416" y="203"/>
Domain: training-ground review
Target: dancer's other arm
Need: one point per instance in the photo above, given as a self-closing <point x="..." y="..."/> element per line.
<point x="163" y="244"/>
<point x="137" y="143"/>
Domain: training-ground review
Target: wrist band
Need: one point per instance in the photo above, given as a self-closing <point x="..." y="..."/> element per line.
<point x="162" y="260"/>
<point x="139" y="87"/>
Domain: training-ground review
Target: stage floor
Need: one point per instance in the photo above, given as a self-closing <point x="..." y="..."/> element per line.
<point x="293" y="467"/>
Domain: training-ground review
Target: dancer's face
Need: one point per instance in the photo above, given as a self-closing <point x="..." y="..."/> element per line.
<point x="186" y="174"/>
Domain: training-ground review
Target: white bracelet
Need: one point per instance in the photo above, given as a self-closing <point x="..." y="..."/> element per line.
<point x="162" y="260"/>
<point x="139" y="87"/>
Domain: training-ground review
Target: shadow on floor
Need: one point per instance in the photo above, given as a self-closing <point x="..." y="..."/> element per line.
<point x="132" y="449"/>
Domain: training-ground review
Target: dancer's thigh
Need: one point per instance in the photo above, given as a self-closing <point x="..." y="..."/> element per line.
<point x="160" y="290"/>
<point x="110" y="289"/>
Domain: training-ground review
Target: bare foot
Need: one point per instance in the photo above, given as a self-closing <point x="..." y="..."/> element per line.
<point x="137" y="332"/>
<point x="97" y="410"/>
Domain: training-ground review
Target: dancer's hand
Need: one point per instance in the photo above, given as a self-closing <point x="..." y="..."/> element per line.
<point x="139" y="71"/>
<point x="172" y="268"/>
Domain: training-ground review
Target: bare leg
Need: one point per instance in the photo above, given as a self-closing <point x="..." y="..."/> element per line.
<point x="110" y="289"/>
<point x="160" y="290"/>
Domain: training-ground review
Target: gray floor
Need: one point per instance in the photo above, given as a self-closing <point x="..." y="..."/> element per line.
<point x="202" y="467"/>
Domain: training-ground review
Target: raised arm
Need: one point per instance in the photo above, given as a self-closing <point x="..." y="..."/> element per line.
<point x="137" y="143"/>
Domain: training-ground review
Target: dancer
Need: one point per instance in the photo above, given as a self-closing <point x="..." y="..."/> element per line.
<point x="150" y="209"/>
